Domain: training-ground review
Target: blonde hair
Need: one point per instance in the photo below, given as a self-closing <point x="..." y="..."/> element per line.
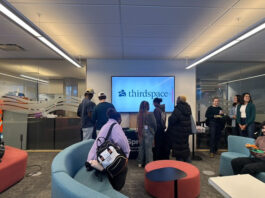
<point x="181" y="99"/>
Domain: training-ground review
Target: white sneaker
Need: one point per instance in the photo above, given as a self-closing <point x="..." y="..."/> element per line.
<point x="139" y="165"/>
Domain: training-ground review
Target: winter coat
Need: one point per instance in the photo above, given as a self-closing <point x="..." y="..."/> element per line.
<point x="157" y="113"/>
<point x="179" y="129"/>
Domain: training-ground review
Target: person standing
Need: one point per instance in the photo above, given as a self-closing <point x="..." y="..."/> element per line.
<point x="161" y="150"/>
<point x="146" y="131"/>
<point x="99" y="116"/>
<point x="233" y="113"/>
<point x="179" y="129"/>
<point x="246" y="114"/>
<point x="85" y="110"/>
<point x="214" y="116"/>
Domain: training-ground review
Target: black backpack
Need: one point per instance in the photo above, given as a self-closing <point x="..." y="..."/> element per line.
<point x="110" y="155"/>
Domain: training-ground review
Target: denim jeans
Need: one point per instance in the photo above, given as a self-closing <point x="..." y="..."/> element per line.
<point x="215" y="135"/>
<point x="249" y="132"/>
<point x="145" y="154"/>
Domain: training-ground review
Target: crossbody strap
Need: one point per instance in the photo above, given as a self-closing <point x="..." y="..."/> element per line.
<point x="109" y="132"/>
<point x="102" y="139"/>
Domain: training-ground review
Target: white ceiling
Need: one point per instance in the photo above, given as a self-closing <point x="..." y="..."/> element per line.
<point x="138" y="29"/>
<point x="160" y="29"/>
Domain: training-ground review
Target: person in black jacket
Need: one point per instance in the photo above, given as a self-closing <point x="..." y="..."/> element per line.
<point x="214" y="116"/>
<point x="161" y="149"/>
<point x="179" y="129"/>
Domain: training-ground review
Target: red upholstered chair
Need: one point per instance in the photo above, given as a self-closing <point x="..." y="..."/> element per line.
<point x="188" y="187"/>
<point x="12" y="167"/>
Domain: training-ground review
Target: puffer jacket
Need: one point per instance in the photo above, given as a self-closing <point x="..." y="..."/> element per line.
<point x="179" y="129"/>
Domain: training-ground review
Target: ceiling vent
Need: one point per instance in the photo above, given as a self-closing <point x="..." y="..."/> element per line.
<point x="11" y="47"/>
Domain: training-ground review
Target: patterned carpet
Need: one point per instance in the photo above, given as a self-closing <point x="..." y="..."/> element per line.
<point x="39" y="186"/>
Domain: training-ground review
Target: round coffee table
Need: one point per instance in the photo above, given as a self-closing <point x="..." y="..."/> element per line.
<point x="166" y="174"/>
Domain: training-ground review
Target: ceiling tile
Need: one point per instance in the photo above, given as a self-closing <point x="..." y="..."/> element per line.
<point x="33" y="48"/>
<point x="81" y="45"/>
<point x="169" y="15"/>
<point x="148" y="52"/>
<point x="181" y="3"/>
<point x="241" y="17"/>
<point x="88" y="2"/>
<point x="108" y="52"/>
<point x="257" y="4"/>
<point x="79" y="13"/>
<point x="79" y="29"/>
<point x="160" y="31"/>
<point x="153" y="42"/>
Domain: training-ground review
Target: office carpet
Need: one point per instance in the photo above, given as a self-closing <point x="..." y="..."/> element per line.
<point x="39" y="186"/>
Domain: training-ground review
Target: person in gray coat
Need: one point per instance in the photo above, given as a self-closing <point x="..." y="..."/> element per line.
<point x="146" y="131"/>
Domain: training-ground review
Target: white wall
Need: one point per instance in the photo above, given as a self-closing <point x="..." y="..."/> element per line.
<point x="99" y="74"/>
<point x="54" y="87"/>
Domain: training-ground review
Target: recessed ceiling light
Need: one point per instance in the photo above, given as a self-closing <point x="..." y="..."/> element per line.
<point x="229" y="44"/>
<point x="14" y="15"/>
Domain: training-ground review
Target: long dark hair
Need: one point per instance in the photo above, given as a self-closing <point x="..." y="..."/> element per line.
<point x="113" y="114"/>
<point x="243" y="95"/>
<point x="144" y="108"/>
<point x="239" y="100"/>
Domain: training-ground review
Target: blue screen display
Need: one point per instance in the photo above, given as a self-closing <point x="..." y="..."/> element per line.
<point x="129" y="92"/>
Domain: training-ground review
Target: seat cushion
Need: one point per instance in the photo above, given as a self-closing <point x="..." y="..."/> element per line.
<point x="261" y="176"/>
<point x="225" y="168"/>
<point x="89" y="179"/>
<point x="232" y="155"/>
<point x="12" y="167"/>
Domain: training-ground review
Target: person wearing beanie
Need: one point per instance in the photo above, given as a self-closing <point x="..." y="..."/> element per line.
<point x="179" y="129"/>
<point x="99" y="116"/>
<point x="84" y="111"/>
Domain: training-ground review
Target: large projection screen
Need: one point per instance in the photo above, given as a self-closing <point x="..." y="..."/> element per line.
<point x="129" y="91"/>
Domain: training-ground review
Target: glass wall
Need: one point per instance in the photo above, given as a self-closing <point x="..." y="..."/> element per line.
<point x="39" y="103"/>
<point x="225" y="80"/>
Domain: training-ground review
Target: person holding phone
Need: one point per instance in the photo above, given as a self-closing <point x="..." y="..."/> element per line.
<point x="214" y="115"/>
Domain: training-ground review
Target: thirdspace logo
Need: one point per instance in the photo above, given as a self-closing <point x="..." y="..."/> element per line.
<point x="145" y="94"/>
<point x="122" y="93"/>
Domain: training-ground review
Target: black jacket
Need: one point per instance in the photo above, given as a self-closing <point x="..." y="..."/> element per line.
<point x="157" y="113"/>
<point x="179" y="129"/>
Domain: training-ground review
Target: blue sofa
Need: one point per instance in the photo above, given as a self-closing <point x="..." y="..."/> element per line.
<point x="71" y="180"/>
<point x="236" y="148"/>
